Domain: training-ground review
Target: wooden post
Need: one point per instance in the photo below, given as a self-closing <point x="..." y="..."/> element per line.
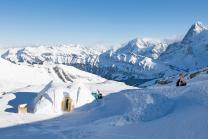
<point x="22" y="108"/>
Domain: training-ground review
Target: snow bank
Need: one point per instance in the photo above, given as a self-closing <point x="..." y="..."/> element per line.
<point x="147" y="107"/>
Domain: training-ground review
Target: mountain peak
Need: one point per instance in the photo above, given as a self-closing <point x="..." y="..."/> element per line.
<point x="195" y="29"/>
<point x="136" y="44"/>
<point x="198" y="27"/>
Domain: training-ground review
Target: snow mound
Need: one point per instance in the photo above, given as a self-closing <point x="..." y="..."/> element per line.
<point x="197" y="93"/>
<point x="156" y="106"/>
<point x="147" y="107"/>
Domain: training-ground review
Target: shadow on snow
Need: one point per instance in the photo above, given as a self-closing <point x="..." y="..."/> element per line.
<point x="21" y="98"/>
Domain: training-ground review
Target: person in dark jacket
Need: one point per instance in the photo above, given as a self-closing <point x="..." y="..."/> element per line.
<point x="100" y="96"/>
<point x="97" y="94"/>
<point x="181" y="81"/>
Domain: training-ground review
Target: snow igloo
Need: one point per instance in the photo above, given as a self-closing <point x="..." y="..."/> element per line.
<point x="59" y="97"/>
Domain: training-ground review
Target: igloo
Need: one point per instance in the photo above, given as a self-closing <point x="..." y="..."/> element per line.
<point x="60" y="97"/>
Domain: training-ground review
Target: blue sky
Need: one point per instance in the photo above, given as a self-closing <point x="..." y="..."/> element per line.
<point x="95" y="21"/>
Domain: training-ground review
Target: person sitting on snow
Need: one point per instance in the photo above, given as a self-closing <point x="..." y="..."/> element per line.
<point x="97" y="94"/>
<point x="100" y="96"/>
<point x="181" y="81"/>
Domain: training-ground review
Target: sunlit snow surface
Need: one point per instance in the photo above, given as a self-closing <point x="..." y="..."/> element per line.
<point x="124" y="112"/>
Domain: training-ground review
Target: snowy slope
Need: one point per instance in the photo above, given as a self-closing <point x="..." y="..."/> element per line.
<point x="22" y="83"/>
<point x="156" y="112"/>
<point x="13" y="76"/>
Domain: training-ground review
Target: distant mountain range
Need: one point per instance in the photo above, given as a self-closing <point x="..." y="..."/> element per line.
<point x="135" y="62"/>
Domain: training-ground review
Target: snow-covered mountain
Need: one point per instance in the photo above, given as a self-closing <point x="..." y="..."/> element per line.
<point x="191" y="53"/>
<point x="136" y="61"/>
<point x="122" y="64"/>
<point x="59" y="55"/>
<point x="196" y="34"/>
<point x="149" y="59"/>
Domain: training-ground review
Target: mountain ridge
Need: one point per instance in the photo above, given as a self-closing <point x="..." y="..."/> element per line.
<point x="135" y="62"/>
